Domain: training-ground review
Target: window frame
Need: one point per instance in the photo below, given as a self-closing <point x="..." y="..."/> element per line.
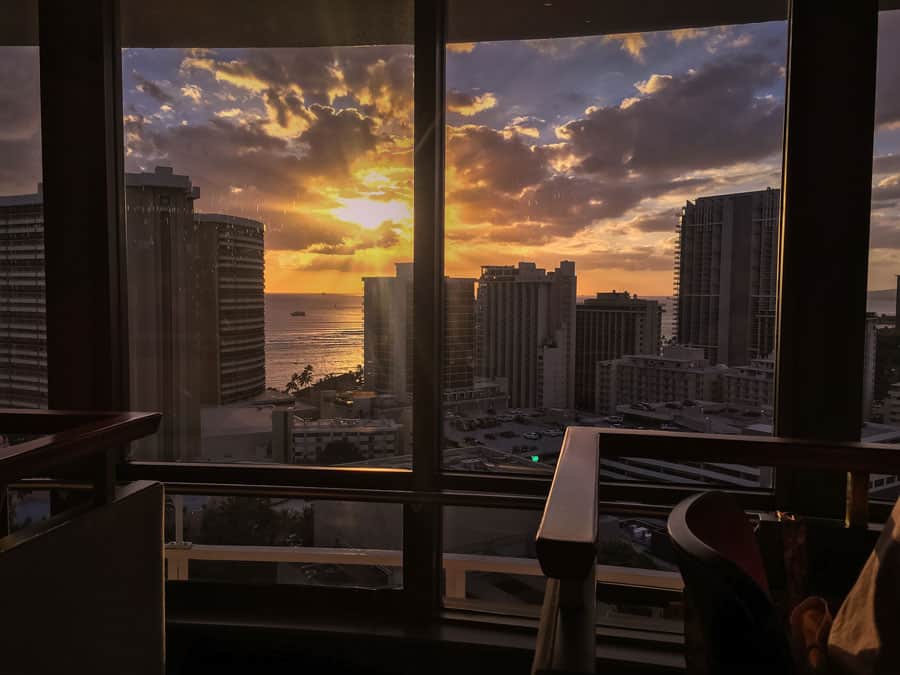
<point x="87" y="322"/>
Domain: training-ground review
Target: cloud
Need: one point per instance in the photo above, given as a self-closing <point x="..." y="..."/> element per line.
<point x="20" y="120"/>
<point x="633" y="43"/>
<point x="152" y="89"/>
<point x="887" y="89"/>
<point x="637" y="258"/>
<point x="461" y="47"/>
<point x="193" y="92"/>
<point x="886" y="164"/>
<point x="468" y="104"/>
<point x="653" y="84"/>
<point x="665" y="132"/>
<point x="656" y="222"/>
<point x="886" y="189"/>
<point x="684" y="34"/>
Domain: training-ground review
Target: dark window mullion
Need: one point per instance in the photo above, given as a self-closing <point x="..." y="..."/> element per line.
<point x="422" y="523"/>
<point x="826" y="190"/>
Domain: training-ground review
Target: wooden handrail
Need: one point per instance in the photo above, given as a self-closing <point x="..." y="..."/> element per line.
<point x="87" y="435"/>
<point x="566" y="537"/>
<point x="761" y="450"/>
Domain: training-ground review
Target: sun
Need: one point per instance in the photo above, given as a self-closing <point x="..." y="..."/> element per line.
<point x="370" y="213"/>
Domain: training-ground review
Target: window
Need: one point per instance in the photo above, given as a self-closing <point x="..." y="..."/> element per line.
<point x="586" y="177"/>
<point x="268" y="202"/>
<point x="283" y="541"/>
<point x="23" y="330"/>
<point x="881" y="359"/>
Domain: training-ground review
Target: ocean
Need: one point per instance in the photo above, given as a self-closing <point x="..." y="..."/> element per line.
<point x="329" y="337"/>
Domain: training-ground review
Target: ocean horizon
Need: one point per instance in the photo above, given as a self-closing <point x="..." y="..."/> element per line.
<point x="329" y="335"/>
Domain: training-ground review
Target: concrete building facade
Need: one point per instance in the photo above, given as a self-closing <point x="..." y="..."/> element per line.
<point x="608" y="327"/>
<point x="680" y="373"/>
<point x="369" y="438"/>
<point x="388" y="334"/>
<point x="237" y="246"/>
<point x="752" y="385"/>
<point x="196" y="309"/>
<point x="726" y="275"/>
<point x="23" y="316"/>
<point x="526" y="332"/>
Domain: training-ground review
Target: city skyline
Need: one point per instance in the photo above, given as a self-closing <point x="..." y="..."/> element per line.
<point x="583" y="148"/>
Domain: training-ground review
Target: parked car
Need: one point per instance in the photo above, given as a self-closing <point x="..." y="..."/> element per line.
<point x="531" y="435"/>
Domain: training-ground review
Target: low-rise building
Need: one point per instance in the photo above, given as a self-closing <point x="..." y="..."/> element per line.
<point x="341" y="441"/>
<point x="752" y="385"/>
<point x="680" y="373"/>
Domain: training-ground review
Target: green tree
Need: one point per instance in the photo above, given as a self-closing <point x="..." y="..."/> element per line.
<point x="252" y="521"/>
<point x="300" y="381"/>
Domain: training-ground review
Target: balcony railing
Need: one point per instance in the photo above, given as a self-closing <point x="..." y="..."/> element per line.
<point x="566" y="541"/>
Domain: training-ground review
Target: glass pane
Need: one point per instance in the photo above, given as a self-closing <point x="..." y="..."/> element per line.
<point x="27" y="507"/>
<point x="23" y="330"/>
<point x="587" y="177"/>
<point x="269" y="217"/>
<point x="490" y="564"/>
<point x="284" y="541"/>
<point x="881" y="358"/>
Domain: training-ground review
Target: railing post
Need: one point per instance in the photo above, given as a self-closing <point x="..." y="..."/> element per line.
<point x="857" y="508"/>
<point x="178" y="503"/>
<point x="454" y="582"/>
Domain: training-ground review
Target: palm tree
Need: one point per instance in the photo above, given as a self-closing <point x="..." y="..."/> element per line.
<point x="306" y="376"/>
<point x="299" y="381"/>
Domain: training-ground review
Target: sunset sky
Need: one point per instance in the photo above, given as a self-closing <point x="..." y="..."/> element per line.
<point x="582" y="149"/>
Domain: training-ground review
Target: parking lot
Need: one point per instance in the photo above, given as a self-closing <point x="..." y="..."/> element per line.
<point x="526" y="432"/>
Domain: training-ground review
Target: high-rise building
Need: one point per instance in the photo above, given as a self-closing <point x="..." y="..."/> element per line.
<point x="609" y="327"/>
<point x="526" y="332"/>
<point x="23" y="327"/>
<point x="725" y="275"/>
<point x="388" y="333"/>
<point x="195" y="298"/>
<point x="870" y="353"/>
<point x="236" y="245"/>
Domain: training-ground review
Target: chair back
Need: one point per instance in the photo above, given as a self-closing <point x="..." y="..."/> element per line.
<point x="731" y="625"/>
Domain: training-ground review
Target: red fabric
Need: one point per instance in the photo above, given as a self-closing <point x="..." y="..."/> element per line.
<point x="721" y="525"/>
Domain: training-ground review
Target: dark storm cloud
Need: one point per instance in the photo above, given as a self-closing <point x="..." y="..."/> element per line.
<point x="152" y="89"/>
<point x="710" y="118"/>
